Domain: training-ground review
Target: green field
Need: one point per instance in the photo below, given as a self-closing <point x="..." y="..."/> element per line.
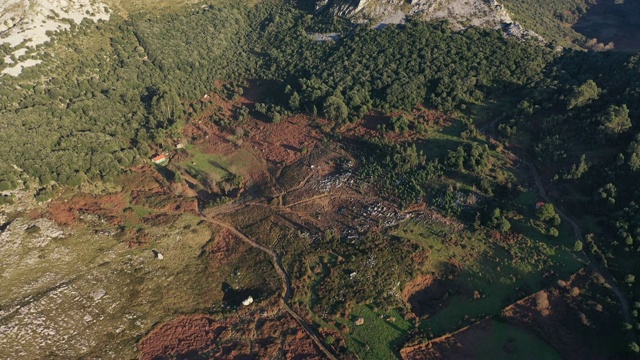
<point x="380" y="336"/>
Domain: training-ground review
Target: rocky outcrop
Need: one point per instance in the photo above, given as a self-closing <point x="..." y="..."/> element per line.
<point x="346" y="8"/>
<point x="460" y="13"/>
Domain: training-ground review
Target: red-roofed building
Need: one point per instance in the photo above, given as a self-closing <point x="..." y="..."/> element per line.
<point x="159" y="159"/>
<point x="539" y="204"/>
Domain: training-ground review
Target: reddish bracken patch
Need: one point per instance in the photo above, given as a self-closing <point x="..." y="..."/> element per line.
<point x="135" y="238"/>
<point x="182" y="336"/>
<point x="256" y="333"/>
<point x="226" y="248"/>
<point x="142" y="185"/>
<point x="287" y="141"/>
<point x="69" y="212"/>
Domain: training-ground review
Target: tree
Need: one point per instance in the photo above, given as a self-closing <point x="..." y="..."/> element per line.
<point x="546" y="212"/>
<point x="630" y="279"/>
<point x="577" y="246"/>
<point x="578" y="170"/>
<point x="400" y="123"/>
<point x="498" y="221"/>
<point x="334" y="108"/>
<point x="583" y="94"/>
<point x="166" y="107"/>
<point x="505" y="225"/>
<point x="294" y="101"/>
<point x="553" y="232"/>
<point x="634" y="151"/>
<point x="615" y="121"/>
<point x="607" y="193"/>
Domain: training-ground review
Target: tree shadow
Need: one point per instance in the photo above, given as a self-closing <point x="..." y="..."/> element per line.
<point x="607" y="21"/>
<point x="234" y="297"/>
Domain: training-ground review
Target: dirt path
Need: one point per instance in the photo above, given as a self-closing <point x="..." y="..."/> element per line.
<point x="329" y="195"/>
<point x="489" y="129"/>
<point x="595" y="267"/>
<point x="286" y="284"/>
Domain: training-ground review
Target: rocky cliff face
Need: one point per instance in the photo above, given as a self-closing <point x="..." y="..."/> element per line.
<point x="461" y="13"/>
<point x="345" y="8"/>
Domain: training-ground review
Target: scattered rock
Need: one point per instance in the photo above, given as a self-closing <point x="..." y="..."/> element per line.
<point x="97" y="295"/>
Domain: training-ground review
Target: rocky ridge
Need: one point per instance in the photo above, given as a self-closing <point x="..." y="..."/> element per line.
<point x="460" y="13"/>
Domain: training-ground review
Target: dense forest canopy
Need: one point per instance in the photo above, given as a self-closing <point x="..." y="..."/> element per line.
<point x="119" y="85"/>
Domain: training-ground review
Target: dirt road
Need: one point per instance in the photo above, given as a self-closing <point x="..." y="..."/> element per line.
<point x="286" y="284"/>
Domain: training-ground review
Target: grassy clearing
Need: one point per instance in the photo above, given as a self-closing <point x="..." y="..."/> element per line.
<point x="379" y="336"/>
<point x="436" y="238"/>
<point x="490" y="109"/>
<point x="214" y="166"/>
<point x="439" y="142"/>
<point x="218" y="167"/>
<point x="527" y="199"/>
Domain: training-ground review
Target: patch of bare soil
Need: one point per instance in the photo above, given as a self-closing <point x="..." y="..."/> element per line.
<point x="460" y="345"/>
<point x="257" y="333"/>
<point x="425" y="295"/>
<point x="564" y="317"/>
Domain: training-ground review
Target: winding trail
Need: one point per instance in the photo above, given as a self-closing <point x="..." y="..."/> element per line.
<point x="609" y="281"/>
<point x="595" y="267"/>
<point x="286" y="284"/>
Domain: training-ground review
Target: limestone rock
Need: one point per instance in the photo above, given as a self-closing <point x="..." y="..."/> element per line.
<point x="248" y="301"/>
